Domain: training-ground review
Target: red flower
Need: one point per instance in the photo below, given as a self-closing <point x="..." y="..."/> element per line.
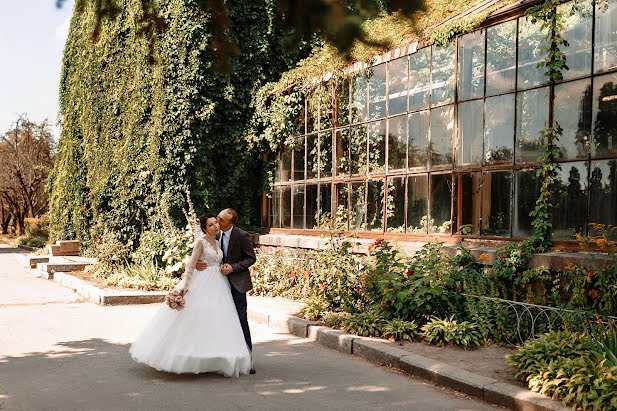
<point x="590" y="274"/>
<point x="593" y="294"/>
<point x="409" y="273"/>
<point x="322" y="287"/>
<point x="307" y="273"/>
<point x="292" y="275"/>
<point x="378" y="241"/>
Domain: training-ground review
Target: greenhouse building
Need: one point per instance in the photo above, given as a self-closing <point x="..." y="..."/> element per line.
<point x="443" y="141"/>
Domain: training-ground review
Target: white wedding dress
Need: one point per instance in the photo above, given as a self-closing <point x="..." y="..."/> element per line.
<point x="205" y="335"/>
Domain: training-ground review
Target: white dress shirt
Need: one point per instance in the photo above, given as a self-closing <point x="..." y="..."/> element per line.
<point x="225" y="240"/>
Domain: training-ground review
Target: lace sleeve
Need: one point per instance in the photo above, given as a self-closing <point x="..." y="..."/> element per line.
<point x="190" y="267"/>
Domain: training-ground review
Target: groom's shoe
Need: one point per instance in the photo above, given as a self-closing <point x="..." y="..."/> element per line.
<point x="253" y="371"/>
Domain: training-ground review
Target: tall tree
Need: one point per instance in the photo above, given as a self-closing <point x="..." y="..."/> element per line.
<point x="26" y="157"/>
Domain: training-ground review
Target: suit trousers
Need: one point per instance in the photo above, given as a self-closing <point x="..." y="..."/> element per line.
<point x="240" y="302"/>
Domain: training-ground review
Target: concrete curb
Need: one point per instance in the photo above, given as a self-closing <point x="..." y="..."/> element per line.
<point x="108" y="297"/>
<point x="485" y="388"/>
<point x="27" y="248"/>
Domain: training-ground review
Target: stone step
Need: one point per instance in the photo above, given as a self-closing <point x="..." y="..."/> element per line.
<point x="31" y="261"/>
<point x="51" y="267"/>
<point x="69" y="246"/>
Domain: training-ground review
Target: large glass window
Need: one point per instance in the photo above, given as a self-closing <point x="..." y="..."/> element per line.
<point x="442" y="83"/>
<point x="375" y="205"/>
<point x="419" y="79"/>
<point x="501" y="58"/>
<point x="470" y="120"/>
<point x="377" y="146"/>
<point x="526" y="193"/>
<point x="325" y="200"/>
<point x="604" y="115"/>
<point x="469" y="193"/>
<point x="578" y="23"/>
<point x="325" y="154"/>
<point x="275" y="204"/>
<point x="499" y="129"/>
<point x="397" y="143"/>
<point x="359" y="96"/>
<point x="298" y="206"/>
<point x="471" y="66"/>
<point x="341" y="197"/>
<point x="440" y="201"/>
<point x="357" y="209"/>
<point x="312" y="209"/>
<point x="530" y="45"/>
<point x="442" y="127"/>
<point x="285" y="168"/>
<point x="496" y="212"/>
<point x="298" y="158"/>
<point x="286" y="207"/>
<point x="359" y="160"/>
<point x="572" y="111"/>
<point x="603" y="193"/>
<point x="397" y="86"/>
<point x="342" y="152"/>
<point x="417" y="201"/>
<point x="532" y="115"/>
<point x="395" y="209"/>
<point x="569" y="200"/>
<point x="605" y="53"/>
<point x="342" y="102"/>
<point x="377" y="92"/>
<point x="418" y="124"/>
<point x="312" y="156"/>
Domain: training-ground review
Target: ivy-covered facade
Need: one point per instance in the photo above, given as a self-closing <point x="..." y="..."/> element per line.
<point x="445" y="141"/>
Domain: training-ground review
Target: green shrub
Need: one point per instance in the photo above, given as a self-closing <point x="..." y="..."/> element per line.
<point x="400" y="330"/>
<point x="410" y="290"/>
<point x="603" y="346"/>
<point x="146" y="276"/>
<point x="314" y="307"/>
<point x="449" y="331"/>
<point x="560" y="365"/>
<point x="365" y="324"/>
<point x="36" y="242"/>
<point x="334" y="318"/>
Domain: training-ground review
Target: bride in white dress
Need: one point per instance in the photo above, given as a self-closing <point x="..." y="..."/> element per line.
<point x="205" y="335"/>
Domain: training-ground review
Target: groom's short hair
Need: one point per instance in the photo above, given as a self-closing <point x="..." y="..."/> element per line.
<point x="233" y="214"/>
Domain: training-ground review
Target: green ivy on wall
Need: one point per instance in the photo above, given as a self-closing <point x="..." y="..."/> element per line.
<point x="136" y="135"/>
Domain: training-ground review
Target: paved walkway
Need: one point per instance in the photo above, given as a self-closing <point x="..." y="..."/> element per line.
<point x="58" y="352"/>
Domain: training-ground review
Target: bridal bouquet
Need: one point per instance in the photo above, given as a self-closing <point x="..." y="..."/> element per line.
<point x="175" y="299"/>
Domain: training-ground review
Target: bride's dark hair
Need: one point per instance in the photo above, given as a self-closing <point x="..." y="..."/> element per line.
<point x="203" y="220"/>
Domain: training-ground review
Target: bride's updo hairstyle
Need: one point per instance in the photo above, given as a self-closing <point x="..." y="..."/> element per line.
<point x="203" y="221"/>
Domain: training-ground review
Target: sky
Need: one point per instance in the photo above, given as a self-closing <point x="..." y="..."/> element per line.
<point x="32" y="37"/>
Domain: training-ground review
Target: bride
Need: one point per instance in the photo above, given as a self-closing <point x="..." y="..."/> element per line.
<point x="205" y="335"/>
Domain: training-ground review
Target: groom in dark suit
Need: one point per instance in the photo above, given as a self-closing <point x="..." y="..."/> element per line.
<point x="238" y="256"/>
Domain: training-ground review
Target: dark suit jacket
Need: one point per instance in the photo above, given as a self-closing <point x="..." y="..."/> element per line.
<point x="240" y="255"/>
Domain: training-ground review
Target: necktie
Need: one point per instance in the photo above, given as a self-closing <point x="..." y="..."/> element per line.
<point x="223" y="246"/>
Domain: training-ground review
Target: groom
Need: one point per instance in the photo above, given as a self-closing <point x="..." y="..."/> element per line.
<point x="238" y="256"/>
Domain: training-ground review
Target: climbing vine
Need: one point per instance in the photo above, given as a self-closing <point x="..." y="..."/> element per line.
<point x="137" y="135"/>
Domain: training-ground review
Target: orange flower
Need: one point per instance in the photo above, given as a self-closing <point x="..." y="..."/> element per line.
<point x="292" y="275"/>
<point x="590" y="274"/>
<point x="483" y="257"/>
<point x="307" y="273"/>
<point x="322" y="287"/>
<point x="593" y="294"/>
